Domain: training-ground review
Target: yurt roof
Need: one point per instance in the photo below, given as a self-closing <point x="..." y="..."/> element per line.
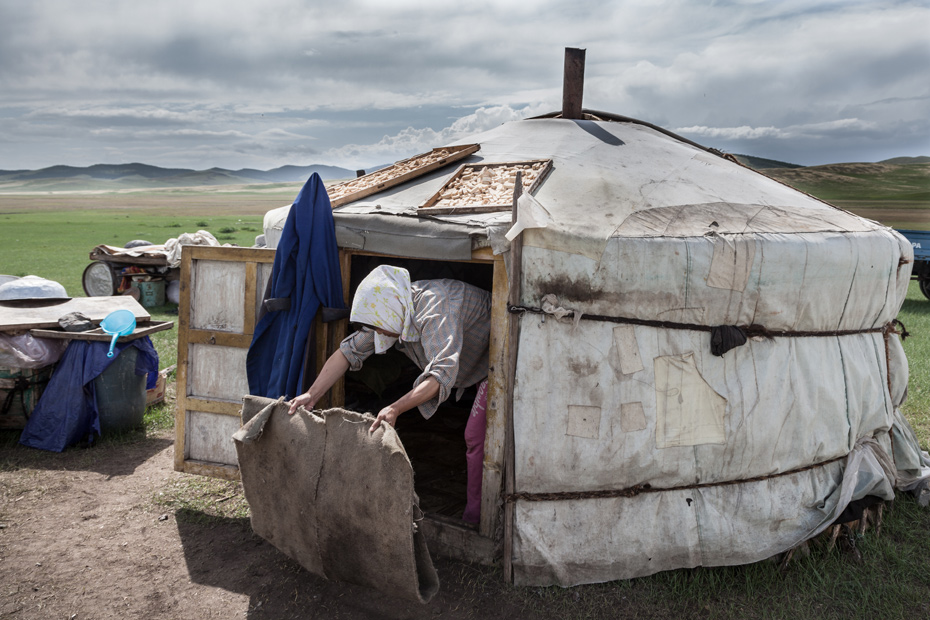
<point x="611" y="178"/>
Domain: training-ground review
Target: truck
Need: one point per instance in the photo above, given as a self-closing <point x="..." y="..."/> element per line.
<point x="920" y="241"/>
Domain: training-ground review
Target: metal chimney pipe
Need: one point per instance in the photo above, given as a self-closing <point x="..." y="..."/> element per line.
<point x="573" y="83"/>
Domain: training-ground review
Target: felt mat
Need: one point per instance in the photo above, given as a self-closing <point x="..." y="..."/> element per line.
<point x="334" y="497"/>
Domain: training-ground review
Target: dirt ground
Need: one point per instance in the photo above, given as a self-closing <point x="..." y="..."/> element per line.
<point x="81" y="536"/>
<point x="85" y="535"/>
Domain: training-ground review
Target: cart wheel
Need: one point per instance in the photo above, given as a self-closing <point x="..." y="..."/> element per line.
<point x="925" y="286"/>
<point x="99" y="280"/>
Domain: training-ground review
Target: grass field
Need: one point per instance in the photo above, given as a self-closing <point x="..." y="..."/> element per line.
<point x="52" y="235"/>
<point x="901" y="216"/>
<point x="915" y="314"/>
<point x="56" y="245"/>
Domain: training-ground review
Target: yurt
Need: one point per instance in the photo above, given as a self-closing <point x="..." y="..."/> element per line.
<point x="691" y="364"/>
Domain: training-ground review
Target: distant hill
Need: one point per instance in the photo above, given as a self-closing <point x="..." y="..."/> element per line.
<point x="882" y="182"/>
<point x="141" y="176"/>
<point x="898" y="180"/>
<point x="760" y="163"/>
<point x="907" y="160"/>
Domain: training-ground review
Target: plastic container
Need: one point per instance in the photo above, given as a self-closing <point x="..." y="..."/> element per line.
<point x="121" y="394"/>
<point x="152" y="293"/>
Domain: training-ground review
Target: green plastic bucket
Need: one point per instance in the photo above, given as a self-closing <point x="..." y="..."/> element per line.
<point x="152" y="293"/>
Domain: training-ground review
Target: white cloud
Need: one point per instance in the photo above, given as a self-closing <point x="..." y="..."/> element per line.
<point x="811" y="130"/>
<point x="280" y="134"/>
<point x="732" y="133"/>
<point x="350" y="72"/>
<point x="831" y="128"/>
<point x="410" y="141"/>
<point x="190" y="133"/>
<point x="112" y="113"/>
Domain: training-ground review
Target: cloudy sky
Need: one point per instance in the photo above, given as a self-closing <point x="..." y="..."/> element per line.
<point x="235" y="84"/>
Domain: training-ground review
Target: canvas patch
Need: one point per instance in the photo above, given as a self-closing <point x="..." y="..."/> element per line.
<point x="688" y="411"/>
<point x="632" y="417"/>
<point x="731" y="263"/>
<point x="584" y="421"/>
<point x="627" y="349"/>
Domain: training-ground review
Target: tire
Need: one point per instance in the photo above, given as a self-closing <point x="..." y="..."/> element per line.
<point x="924" y="283"/>
<point x="99" y="280"/>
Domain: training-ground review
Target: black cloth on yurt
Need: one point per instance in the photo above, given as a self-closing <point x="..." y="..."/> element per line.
<point x="725" y="337"/>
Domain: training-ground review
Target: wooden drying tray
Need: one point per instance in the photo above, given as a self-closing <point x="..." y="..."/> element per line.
<point x="371" y="183"/>
<point x="142" y="329"/>
<point x="450" y="209"/>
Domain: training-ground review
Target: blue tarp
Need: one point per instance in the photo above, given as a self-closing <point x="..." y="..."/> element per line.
<point x="67" y="411"/>
<point x="306" y="271"/>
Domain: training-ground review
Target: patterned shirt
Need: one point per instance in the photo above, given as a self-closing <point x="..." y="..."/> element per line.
<point x="454" y="319"/>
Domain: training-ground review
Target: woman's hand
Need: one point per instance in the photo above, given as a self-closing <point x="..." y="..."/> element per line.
<point x="335" y="367"/>
<point x="389" y="415"/>
<point x="305" y="400"/>
<point x="417" y="396"/>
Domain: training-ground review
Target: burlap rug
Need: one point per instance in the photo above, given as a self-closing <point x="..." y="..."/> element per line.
<point x="334" y="497"/>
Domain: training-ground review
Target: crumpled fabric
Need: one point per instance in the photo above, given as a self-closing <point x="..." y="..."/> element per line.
<point x="173" y="246"/>
<point x="67" y="411"/>
<point x="76" y="322"/>
<point x="912" y="463"/>
<point x="725" y="337"/>
<point x="869" y="471"/>
<point x="550" y="305"/>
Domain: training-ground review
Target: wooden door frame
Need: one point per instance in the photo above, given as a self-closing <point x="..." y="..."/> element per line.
<point x="188" y="336"/>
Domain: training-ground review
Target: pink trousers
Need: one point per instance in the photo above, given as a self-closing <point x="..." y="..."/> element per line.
<point x="474" y="453"/>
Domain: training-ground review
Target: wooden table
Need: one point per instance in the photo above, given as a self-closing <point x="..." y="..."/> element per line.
<point x="22" y="316"/>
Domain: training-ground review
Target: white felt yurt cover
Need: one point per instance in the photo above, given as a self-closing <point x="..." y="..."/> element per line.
<point x="636" y="449"/>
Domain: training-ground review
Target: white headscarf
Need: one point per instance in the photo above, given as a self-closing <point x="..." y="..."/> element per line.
<point x="384" y="300"/>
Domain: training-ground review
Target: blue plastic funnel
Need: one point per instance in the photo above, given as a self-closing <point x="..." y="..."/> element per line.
<point x="118" y="323"/>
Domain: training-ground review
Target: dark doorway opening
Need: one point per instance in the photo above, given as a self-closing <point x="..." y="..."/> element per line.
<point x="436" y="447"/>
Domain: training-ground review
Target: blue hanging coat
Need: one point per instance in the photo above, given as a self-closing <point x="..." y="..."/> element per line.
<point x="306" y="271"/>
<point x="67" y="411"/>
